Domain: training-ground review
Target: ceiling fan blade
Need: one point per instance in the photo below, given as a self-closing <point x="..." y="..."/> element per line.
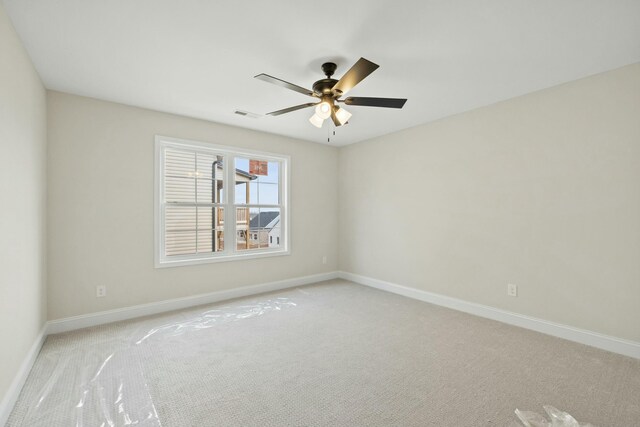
<point x="376" y="102"/>
<point x="270" y="79"/>
<point x="290" y="109"/>
<point x="355" y="75"/>
<point x="336" y="122"/>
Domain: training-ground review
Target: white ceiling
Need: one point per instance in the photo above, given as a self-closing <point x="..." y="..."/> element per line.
<point x="197" y="58"/>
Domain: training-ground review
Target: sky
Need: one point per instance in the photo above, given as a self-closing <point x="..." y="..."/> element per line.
<point x="263" y="190"/>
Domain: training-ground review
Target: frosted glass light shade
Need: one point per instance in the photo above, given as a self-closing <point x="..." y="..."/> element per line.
<point x="343" y="115"/>
<point x="323" y="110"/>
<point x="316" y="120"/>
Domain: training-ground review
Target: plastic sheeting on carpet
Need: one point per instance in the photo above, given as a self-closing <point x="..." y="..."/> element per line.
<point x="557" y="418"/>
<point x="104" y="384"/>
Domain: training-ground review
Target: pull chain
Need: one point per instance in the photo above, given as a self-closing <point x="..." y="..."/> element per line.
<point x="329" y="132"/>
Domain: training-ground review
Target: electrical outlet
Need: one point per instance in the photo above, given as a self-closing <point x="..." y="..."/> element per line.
<point x="101" y="291"/>
<point x="324" y="259"/>
<point x="512" y="290"/>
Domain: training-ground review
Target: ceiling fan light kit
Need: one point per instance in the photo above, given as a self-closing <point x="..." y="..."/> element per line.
<point x="316" y="120"/>
<point x="323" y="110"/>
<point x="342" y="115"/>
<point x="329" y="91"/>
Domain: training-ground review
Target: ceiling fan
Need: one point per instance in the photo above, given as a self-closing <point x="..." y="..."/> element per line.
<point x="328" y="92"/>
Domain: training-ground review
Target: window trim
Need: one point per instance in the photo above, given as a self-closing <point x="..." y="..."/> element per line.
<point x="230" y="154"/>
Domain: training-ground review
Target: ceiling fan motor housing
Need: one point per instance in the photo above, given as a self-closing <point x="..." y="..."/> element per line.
<point x="324" y="86"/>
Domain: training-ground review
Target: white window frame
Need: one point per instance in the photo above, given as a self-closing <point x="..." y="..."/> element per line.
<point x="230" y="252"/>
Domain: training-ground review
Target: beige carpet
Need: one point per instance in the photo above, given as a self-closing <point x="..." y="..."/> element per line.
<point x="332" y="354"/>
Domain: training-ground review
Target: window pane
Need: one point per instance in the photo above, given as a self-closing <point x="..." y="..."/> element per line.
<point x="210" y="229"/>
<point x="205" y="241"/>
<point x="242" y="172"/>
<point x="268" y="194"/>
<point x="179" y="163"/>
<point x="242" y="191"/>
<point x="267" y="217"/>
<point x="180" y="242"/>
<point x="242" y="218"/>
<point x="206" y="163"/>
<point x="206" y="218"/>
<point x="253" y="193"/>
<point x="243" y="178"/>
<point x="179" y="189"/>
<point x="242" y="165"/>
<point x="273" y="174"/>
<point x="242" y="225"/>
<point x="181" y="236"/>
<point x="264" y="178"/>
<point x="180" y="218"/>
<point x="219" y="240"/>
<point x="261" y="227"/>
<point x="205" y="191"/>
<point x="210" y="178"/>
<point x="218" y="220"/>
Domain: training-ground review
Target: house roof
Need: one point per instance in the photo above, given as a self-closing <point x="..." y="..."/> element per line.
<point x="245" y="173"/>
<point x="239" y="172"/>
<point x="263" y="219"/>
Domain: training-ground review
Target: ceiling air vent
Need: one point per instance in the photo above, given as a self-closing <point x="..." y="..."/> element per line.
<point x="247" y="114"/>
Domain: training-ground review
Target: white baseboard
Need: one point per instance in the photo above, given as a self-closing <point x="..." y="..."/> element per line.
<point x="11" y="396"/>
<point x="616" y="345"/>
<point x="103" y="317"/>
<point x="594" y="339"/>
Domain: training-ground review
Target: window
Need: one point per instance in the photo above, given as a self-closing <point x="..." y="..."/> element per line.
<point x="216" y="203"/>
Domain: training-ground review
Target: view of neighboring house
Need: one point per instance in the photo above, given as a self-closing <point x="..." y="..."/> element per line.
<point x="264" y="230"/>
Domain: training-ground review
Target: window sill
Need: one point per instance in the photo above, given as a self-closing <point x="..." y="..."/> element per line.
<point x="219" y="258"/>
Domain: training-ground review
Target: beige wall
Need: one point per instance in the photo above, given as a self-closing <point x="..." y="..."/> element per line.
<point x="23" y="198"/>
<point x="101" y="169"/>
<point x="541" y="191"/>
